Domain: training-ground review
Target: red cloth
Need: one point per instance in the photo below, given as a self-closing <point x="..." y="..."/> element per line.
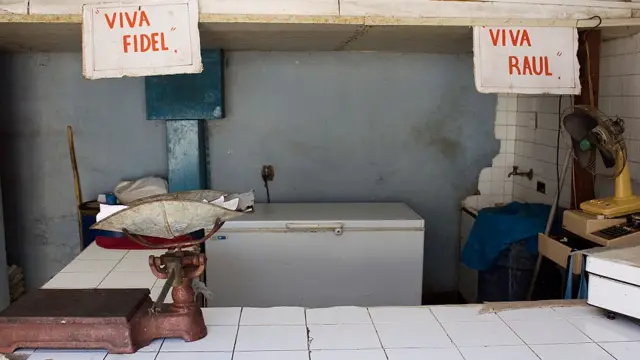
<point x="124" y="243"/>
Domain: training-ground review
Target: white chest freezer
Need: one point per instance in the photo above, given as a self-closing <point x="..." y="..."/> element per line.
<point x="318" y="255"/>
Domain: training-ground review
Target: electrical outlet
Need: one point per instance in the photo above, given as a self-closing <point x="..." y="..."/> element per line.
<point x="268" y="173"/>
<point x="541" y="187"/>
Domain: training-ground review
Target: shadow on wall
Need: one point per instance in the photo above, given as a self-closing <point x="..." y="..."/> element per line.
<point x="7" y="111"/>
<point x="41" y="94"/>
<point x="6" y="99"/>
<point x="359" y="127"/>
<point x="337" y="127"/>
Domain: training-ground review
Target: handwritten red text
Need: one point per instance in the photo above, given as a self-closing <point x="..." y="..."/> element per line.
<point x="530" y="65"/>
<point x="136" y="43"/>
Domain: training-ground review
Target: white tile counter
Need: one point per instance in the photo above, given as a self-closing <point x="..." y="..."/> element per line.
<point x="96" y="267"/>
<point x="353" y="333"/>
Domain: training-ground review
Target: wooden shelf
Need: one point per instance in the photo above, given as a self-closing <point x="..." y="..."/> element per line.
<point x="431" y="26"/>
<point x="63" y="36"/>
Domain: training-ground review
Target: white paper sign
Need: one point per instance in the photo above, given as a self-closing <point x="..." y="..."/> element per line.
<point x="148" y="37"/>
<point x="526" y="60"/>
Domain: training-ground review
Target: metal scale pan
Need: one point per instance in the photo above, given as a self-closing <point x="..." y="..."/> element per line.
<point x="125" y="320"/>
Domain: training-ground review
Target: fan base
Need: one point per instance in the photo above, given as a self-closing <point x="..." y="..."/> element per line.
<point x="612" y="207"/>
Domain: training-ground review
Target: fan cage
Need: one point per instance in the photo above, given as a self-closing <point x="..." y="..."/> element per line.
<point x="606" y="122"/>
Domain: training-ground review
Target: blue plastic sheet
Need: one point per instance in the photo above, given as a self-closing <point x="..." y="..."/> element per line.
<point x="498" y="227"/>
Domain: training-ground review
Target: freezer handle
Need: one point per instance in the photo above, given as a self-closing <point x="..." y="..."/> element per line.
<point x="337" y="228"/>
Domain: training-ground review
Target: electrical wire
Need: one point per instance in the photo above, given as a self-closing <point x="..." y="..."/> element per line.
<point x="591" y="102"/>
<point x="266" y="185"/>
<point x="573" y="186"/>
<point x="558" y="145"/>
<point x="573" y="181"/>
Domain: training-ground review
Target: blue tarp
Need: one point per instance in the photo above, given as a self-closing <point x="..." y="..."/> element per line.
<point x="498" y="227"/>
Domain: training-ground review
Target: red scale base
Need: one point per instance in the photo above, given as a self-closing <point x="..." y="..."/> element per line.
<point x="119" y="320"/>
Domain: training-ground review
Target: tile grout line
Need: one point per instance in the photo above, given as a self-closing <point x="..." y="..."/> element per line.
<point x="235" y="342"/>
<point x="585" y="334"/>
<point x="519" y="337"/>
<point x="589" y="337"/>
<point x="306" y="325"/>
<point x="605" y="350"/>
<point x="113" y="268"/>
<point x="582" y="332"/>
<point x="384" y="350"/>
<point x="446" y="333"/>
<point x="158" y="352"/>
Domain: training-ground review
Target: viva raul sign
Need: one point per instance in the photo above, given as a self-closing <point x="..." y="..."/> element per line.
<point x="533" y="60"/>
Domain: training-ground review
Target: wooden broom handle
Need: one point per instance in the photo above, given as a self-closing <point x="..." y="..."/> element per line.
<point x="74" y="166"/>
<point x="76" y="182"/>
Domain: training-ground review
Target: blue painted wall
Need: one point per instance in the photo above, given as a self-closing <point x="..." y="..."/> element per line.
<point x="336" y="126"/>
<point x="40" y="96"/>
<point x="360" y="127"/>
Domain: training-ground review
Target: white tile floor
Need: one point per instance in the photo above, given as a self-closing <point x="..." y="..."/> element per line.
<point x="345" y="334"/>
<point x="353" y="333"/>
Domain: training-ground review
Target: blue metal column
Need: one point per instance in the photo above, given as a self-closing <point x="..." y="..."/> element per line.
<point x="186" y="155"/>
<point x="185" y="102"/>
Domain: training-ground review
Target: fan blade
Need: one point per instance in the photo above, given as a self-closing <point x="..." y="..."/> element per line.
<point x="608" y="156"/>
<point x="579" y="124"/>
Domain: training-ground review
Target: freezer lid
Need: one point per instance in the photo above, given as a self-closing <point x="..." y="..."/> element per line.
<point x="325" y="216"/>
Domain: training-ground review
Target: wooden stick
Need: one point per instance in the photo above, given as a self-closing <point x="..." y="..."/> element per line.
<point x="589" y="59"/>
<point x="76" y="182"/>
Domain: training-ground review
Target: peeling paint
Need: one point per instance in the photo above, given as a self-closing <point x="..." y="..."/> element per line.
<point x="217" y="112"/>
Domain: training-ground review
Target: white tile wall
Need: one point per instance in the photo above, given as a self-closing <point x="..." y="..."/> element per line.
<point x="14" y="6"/>
<point x="535" y="122"/>
<point x="527" y="129"/>
<point x="620" y="95"/>
<point x="493" y="184"/>
<point x="536" y="148"/>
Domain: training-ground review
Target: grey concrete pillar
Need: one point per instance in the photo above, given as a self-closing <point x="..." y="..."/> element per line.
<point x="4" y="281"/>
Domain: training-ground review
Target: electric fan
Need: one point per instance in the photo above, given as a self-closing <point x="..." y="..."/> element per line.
<point x="592" y="130"/>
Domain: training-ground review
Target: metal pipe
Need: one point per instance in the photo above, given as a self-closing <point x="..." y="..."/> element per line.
<point x="552" y="215"/>
<point x="165" y="290"/>
<point x="556" y="199"/>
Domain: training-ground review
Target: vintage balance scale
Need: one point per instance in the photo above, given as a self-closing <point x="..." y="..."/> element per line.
<point x="125" y="320"/>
